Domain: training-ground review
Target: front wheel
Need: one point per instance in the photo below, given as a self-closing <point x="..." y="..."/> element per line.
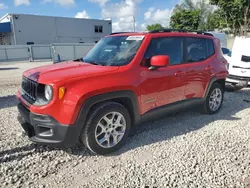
<point x="107" y="128"/>
<point x="214" y="99"/>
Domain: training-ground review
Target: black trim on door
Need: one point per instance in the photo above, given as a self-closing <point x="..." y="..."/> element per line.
<point x="171" y="109"/>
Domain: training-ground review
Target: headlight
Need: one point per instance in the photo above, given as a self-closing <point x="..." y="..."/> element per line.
<point x="48" y="92"/>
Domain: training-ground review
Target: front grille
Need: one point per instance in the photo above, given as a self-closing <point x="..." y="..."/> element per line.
<point x="29" y="88"/>
<point x="237" y="67"/>
<point x="238" y="77"/>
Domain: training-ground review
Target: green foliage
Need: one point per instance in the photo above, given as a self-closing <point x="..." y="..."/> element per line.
<point x="154" y="27"/>
<point x="236" y="13"/>
<point x="215" y="20"/>
<point x="185" y="5"/>
<point x="202" y="6"/>
<point x="185" y="19"/>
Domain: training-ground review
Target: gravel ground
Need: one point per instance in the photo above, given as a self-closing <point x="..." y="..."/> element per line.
<point x="183" y="150"/>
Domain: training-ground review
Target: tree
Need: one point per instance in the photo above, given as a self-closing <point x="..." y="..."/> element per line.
<point x="215" y="21"/>
<point x="236" y="13"/>
<point x="202" y="6"/>
<point x="185" y="19"/>
<point x="185" y="5"/>
<point x="154" y="27"/>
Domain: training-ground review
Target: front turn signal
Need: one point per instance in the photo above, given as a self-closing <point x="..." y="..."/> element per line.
<point x="61" y="92"/>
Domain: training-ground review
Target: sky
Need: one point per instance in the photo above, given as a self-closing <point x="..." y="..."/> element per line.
<point x="121" y="12"/>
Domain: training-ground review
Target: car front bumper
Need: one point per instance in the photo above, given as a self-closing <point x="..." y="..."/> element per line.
<point x="238" y="80"/>
<point x="44" y="129"/>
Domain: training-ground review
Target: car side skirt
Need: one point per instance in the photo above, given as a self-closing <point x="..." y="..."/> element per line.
<point x="172" y="108"/>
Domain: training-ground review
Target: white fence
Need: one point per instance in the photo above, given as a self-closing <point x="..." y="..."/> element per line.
<point x="54" y="52"/>
<point x="68" y="51"/>
<point x="14" y="53"/>
<point x="40" y="52"/>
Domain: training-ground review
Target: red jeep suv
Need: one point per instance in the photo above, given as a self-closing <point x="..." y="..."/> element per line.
<point x="124" y="80"/>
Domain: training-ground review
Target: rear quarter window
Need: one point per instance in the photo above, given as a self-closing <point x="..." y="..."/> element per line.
<point x="196" y="49"/>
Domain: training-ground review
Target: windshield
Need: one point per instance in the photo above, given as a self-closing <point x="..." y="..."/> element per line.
<point x="114" y="51"/>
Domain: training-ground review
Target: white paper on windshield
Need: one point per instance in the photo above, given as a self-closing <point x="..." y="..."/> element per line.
<point x="135" y="38"/>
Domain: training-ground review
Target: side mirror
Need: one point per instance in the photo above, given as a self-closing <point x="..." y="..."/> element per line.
<point x="159" y="61"/>
<point x="225" y="50"/>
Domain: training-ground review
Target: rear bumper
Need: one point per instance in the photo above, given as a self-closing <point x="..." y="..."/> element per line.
<point x="237" y="79"/>
<point x="44" y="129"/>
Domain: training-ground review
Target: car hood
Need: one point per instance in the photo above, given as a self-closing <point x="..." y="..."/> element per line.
<point x="237" y="62"/>
<point x="66" y="71"/>
<point x="240" y="52"/>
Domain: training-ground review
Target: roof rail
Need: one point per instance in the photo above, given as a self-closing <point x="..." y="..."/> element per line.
<point x="119" y="33"/>
<point x="179" y="30"/>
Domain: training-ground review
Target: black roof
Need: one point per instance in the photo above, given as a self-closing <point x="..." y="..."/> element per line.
<point x="170" y="30"/>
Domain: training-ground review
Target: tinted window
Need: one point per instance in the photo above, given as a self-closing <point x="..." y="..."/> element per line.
<point x="171" y="46"/>
<point x="210" y="47"/>
<point x="196" y="49"/>
<point x="98" y="29"/>
<point x="225" y="51"/>
<point x="245" y="58"/>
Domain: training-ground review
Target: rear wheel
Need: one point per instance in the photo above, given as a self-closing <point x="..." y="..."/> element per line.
<point x="107" y="128"/>
<point x="214" y="99"/>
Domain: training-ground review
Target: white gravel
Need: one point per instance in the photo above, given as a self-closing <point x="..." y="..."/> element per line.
<point x="183" y="150"/>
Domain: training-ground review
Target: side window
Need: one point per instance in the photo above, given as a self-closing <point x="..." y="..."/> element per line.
<point x="196" y="49"/>
<point x="210" y="47"/>
<point x="98" y="29"/>
<point x="171" y="46"/>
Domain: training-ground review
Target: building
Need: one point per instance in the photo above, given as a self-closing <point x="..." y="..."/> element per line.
<point x="23" y="29"/>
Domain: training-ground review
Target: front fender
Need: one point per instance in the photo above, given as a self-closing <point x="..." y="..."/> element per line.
<point x="86" y="102"/>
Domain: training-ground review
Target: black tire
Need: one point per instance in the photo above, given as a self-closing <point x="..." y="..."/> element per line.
<point x="205" y="107"/>
<point x="95" y="115"/>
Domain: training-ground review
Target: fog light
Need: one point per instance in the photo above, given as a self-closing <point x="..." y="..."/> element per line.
<point x="44" y="131"/>
<point x="61" y="92"/>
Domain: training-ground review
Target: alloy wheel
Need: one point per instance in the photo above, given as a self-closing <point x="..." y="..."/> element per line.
<point x="215" y="99"/>
<point x="110" y="129"/>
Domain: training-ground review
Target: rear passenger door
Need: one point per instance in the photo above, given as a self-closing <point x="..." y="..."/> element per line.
<point x="199" y="60"/>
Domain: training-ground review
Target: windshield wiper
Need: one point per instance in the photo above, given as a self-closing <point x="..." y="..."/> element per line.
<point x="90" y="62"/>
<point x="79" y="59"/>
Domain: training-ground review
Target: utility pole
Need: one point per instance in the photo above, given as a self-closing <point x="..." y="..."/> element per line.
<point x="132" y="16"/>
<point x="134" y="22"/>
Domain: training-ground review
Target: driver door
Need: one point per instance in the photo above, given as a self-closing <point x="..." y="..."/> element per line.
<point x="165" y="85"/>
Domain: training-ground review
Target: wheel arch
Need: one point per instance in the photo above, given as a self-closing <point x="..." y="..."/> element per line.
<point x="125" y="97"/>
<point x="221" y="81"/>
